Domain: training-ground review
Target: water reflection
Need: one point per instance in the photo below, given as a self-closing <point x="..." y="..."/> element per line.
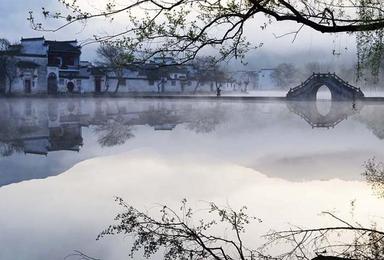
<point x="36" y="128"/>
<point x="257" y="154"/>
<point x="313" y="112"/>
<point x="33" y="129"/>
<point x="51" y="136"/>
<point x="67" y="212"/>
<point x="374" y="175"/>
<point x="372" y="118"/>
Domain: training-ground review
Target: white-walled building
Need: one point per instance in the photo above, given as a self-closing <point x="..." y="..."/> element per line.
<point x="44" y="66"/>
<point x="55" y="67"/>
<point x="265" y="79"/>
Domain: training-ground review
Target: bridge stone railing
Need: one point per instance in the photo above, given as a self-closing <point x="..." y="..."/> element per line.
<point x="298" y="92"/>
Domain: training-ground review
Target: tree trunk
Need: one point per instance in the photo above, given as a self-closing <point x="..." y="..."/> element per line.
<point x="196" y="87"/>
<point x="3" y="85"/>
<point x="120" y="74"/>
<point x="117" y="86"/>
<point x="10" y="86"/>
<point x="106" y="85"/>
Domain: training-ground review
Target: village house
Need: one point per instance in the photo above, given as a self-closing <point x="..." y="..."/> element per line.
<point x="150" y="78"/>
<point x="45" y="66"/>
<point x="55" y="67"/>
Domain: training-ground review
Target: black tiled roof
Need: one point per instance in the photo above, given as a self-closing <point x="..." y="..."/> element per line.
<point x="63" y="46"/>
<point x="27" y="64"/>
<point x="33" y="39"/>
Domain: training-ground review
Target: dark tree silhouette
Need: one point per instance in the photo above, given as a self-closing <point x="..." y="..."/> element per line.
<point x="180" y="236"/>
<point x="8" y="68"/>
<point x="285" y="75"/>
<point x="183" y="28"/>
<point x="184" y="238"/>
<point x="116" y="59"/>
<point x="176" y="235"/>
<point x="206" y="67"/>
<point x="344" y="240"/>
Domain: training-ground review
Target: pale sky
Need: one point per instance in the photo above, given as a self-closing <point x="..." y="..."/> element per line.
<point x="309" y="45"/>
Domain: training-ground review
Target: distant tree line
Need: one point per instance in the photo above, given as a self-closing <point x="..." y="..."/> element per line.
<point x="287" y="75"/>
<point x="116" y="59"/>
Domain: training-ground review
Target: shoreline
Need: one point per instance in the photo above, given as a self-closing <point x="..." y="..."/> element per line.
<point x="170" y="96"/>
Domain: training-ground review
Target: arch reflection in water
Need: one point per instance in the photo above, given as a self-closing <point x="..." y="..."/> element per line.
<point x="324" y="107"/>
<point x="337" y="112"/>
<point x="69" y="131"/>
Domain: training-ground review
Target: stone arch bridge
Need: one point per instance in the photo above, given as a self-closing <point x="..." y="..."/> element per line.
<point x="340" y="89"/>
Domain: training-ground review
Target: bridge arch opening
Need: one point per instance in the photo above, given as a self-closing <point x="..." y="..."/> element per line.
<point x="323" y="100"/>
<point x="323" y="93"/>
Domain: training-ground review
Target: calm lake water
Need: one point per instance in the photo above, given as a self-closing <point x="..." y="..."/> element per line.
<point x="63" y="160"/>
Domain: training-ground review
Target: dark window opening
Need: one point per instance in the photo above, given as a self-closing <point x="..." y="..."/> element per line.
<point x="122" y="82"/>
<point x="27" y="86"/>
<point x="97" y="85"/>
<point x="70" y="87"/>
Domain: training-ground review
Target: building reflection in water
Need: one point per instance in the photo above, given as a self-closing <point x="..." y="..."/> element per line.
<point x="28" y="127"/>
<point x="31" y="127"/>
<point x="59" y="133"/>
<point x="43" y="127"/>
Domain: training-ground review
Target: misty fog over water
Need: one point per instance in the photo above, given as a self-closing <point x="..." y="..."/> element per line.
<point x="63" y="160"/>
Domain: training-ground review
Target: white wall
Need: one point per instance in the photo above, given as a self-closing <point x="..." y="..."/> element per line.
<point x="132" y="85"/>
<point x="38" y="76"/>
<point x="265" y="79"/>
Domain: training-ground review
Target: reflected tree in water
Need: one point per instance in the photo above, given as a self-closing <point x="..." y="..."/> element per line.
<point x="374" y="175"/>
<point x="345" y="240"/>
<point x="374" y="120"/>
<point x="349" y="240"/>
<point x="10" y="142"/>
<point x="9" y="148"/>
<point x="114" y="132"/>
<point x="180" y="237"/>
<point x="206" y="120"/>
<point x="184" y="238"/>
<point x="158" y="117"/>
